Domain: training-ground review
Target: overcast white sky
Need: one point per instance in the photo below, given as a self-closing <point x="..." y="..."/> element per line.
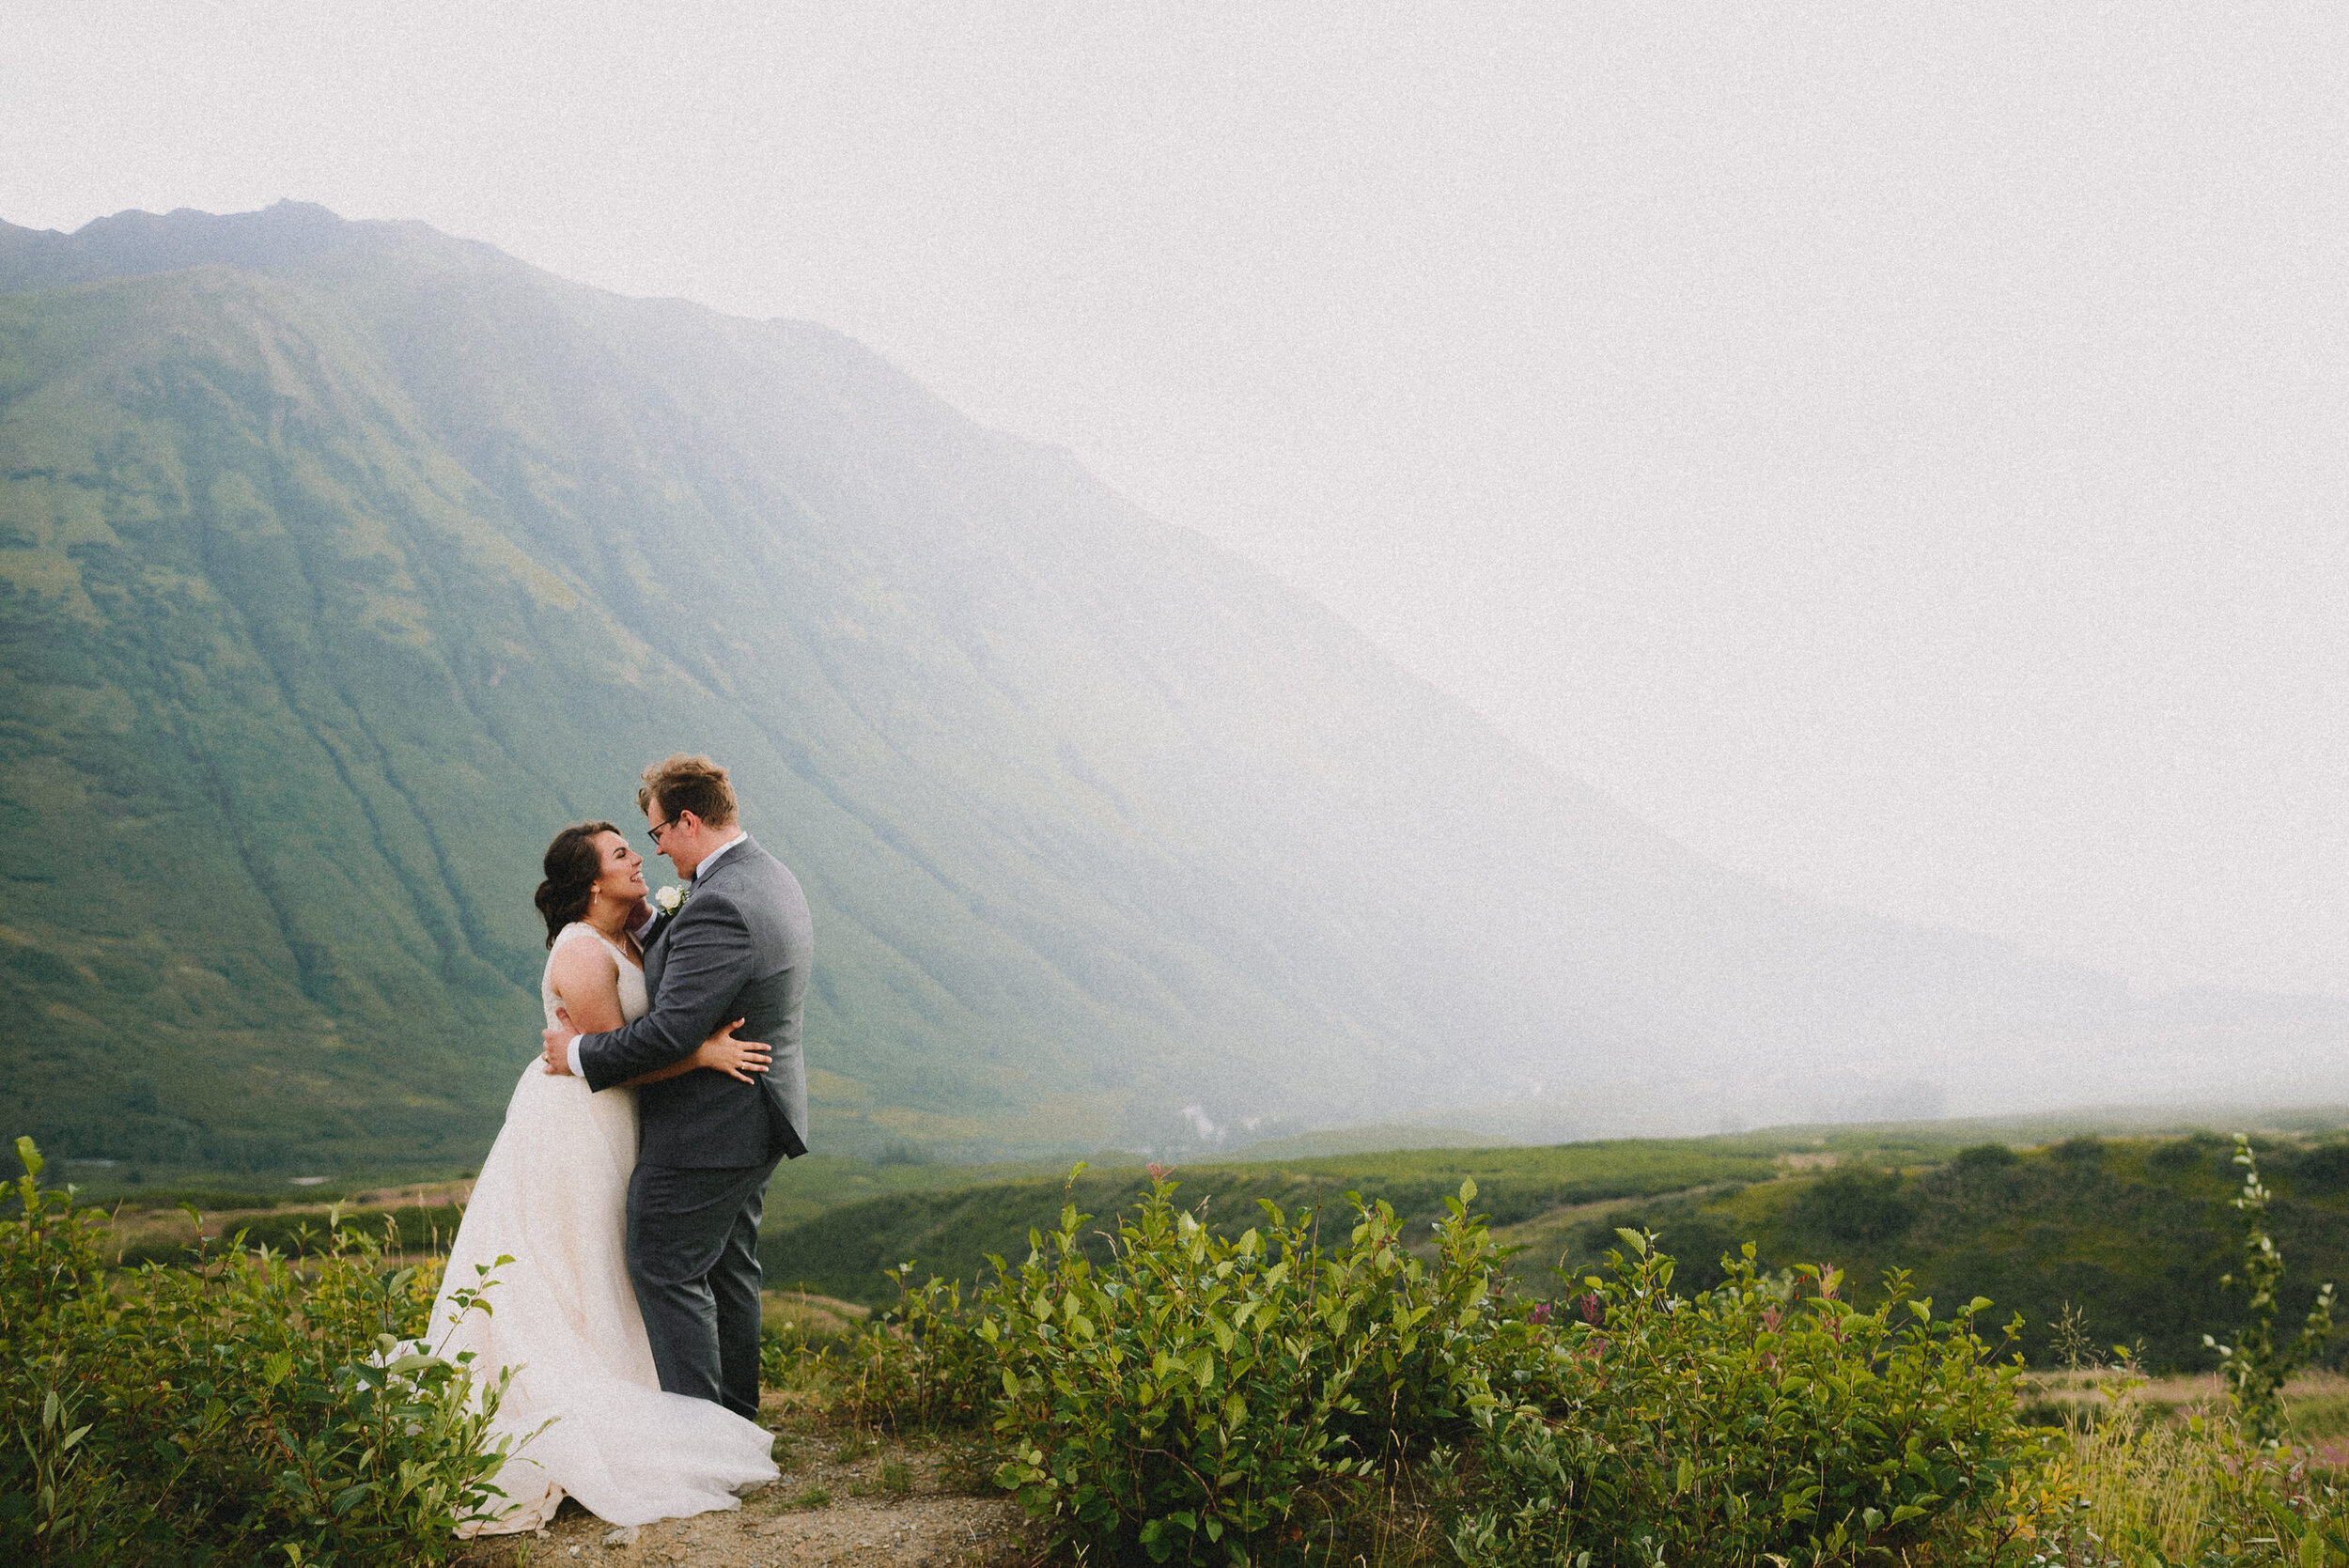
<point x="1900" y="451"/>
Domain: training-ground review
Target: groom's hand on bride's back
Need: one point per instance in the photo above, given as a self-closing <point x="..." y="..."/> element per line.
<point x="558" y="1043"/>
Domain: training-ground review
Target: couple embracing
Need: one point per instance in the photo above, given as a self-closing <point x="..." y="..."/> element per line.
<point x="617" y="1213"/>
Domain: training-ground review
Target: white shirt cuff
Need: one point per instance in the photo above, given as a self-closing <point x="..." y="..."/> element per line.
<point x="576" y="1070"/>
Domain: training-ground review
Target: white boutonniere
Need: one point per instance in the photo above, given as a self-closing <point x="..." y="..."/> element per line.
<point x="670" y="900"/>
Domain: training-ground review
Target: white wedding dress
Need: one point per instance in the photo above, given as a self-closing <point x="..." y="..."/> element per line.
<point x="553" y="1196"/>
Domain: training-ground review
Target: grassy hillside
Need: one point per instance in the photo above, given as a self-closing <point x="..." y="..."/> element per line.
<point x="842" y="1252"/>
<point x="2131" y="1235"/>
<point x="2127" y="1235"/>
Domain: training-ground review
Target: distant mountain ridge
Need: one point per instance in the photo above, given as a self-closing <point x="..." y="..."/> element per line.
<point x="340" y="562"/>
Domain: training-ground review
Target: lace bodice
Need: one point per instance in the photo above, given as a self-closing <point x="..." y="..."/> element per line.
<point x="634" y="1001"/>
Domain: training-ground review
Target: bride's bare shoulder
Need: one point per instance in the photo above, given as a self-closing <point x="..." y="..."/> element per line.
<point x="578" y="966"/>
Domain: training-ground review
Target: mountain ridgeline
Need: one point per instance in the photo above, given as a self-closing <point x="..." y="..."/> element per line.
<point x="341" y="563"/>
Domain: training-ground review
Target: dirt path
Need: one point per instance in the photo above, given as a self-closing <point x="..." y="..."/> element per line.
<point x="840" y="1501"/>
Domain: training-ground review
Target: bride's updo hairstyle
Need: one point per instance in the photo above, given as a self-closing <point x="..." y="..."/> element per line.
<point x="572" y="864"/>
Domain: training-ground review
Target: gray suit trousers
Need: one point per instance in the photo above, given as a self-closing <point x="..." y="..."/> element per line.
<point x="693" y="1255"/>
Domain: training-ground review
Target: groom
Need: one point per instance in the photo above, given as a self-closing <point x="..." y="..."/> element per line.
<point x="739" y="947"/>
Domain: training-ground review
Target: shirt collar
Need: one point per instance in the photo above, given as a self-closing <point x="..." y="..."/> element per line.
<point x="711" y="859"/>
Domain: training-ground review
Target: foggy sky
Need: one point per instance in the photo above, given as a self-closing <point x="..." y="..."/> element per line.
<point x="1902" y="458"/>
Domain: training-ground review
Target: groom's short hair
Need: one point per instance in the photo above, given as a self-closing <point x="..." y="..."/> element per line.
<point x="683" y="783"/>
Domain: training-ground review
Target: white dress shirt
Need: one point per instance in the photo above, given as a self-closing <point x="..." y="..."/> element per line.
<point x="699" y="872"/>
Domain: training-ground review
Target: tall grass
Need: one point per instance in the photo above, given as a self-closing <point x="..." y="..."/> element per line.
<point x="2140" y="1488"/>
<point x="2147" y="1483"/>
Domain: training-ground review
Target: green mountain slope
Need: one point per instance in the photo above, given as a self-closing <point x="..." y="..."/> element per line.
<point x="342" y="563"/>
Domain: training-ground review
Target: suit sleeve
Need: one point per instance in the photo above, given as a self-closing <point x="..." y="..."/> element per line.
<point x="708" y="962"/>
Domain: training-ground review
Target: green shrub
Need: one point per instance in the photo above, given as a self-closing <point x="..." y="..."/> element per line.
<point x="783" y="1355"/>
<point x="1196" y="1395"/>
<point x="920" y="1366"/>
<point x="1693" y="1235"/>
<point x="1174" y="1391"/>
<point x="225" y="1412"/>
<point x="1764" y="1419"/>
<point x="1854" y="1208"/>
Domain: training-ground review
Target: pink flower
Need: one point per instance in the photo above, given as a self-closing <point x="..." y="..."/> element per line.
<point x="1158" y="1171"/>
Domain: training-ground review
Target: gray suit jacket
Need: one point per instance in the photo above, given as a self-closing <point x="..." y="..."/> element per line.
<point x="741" y="948"/>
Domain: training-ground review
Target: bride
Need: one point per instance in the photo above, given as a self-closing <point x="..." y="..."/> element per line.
<point x="585" y="1410"/>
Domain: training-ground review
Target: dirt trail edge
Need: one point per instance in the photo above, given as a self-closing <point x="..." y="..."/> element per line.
<point x="842" y="1501"/>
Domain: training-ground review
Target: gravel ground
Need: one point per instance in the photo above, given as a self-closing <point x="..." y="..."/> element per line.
<point x="835" y="1505"/>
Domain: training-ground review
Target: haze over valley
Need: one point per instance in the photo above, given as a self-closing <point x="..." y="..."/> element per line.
<point x="345" y="561"/>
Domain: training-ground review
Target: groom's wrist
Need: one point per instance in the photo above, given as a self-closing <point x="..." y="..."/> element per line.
<point x="572" y="1056"/>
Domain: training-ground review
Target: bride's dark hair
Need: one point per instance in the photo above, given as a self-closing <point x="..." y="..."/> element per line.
<point x="572" y="864"/>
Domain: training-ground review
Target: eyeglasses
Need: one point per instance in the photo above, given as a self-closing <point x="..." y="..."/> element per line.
<point x="658" y="829"/>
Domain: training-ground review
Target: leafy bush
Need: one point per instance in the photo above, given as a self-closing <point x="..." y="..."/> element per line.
<point x="1766" y="1418"/>
<point x="1855" y="1209"/>
<point x="225" y="1411"/>
<point x="1165" y="1389"/>
<point x="1694" y="1236"/>
<point x="920" y="1366"/>
<point x="1193" y="1396"/>
<point x="844" y="1250"/>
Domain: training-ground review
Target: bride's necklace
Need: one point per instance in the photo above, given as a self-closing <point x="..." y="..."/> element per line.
<point x="620" y="936"/>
